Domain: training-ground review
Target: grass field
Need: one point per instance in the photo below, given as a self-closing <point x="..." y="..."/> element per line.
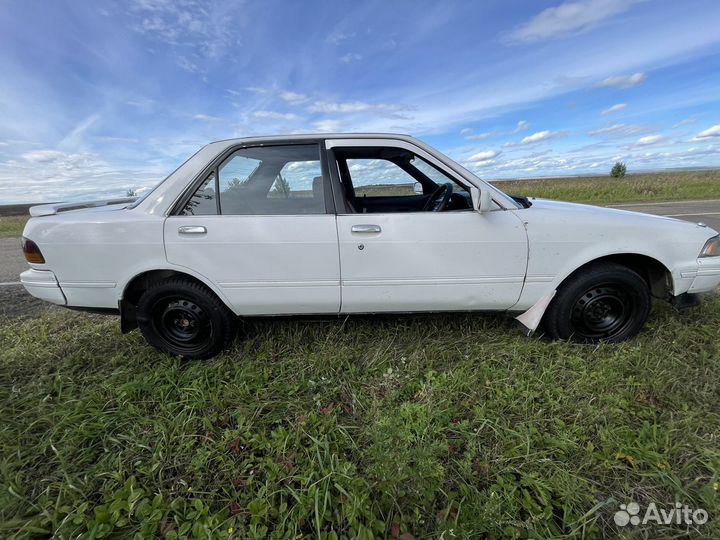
<point x="644" y="187"/>
<point x="12" y="225"/>
<point x="437" y="427"/>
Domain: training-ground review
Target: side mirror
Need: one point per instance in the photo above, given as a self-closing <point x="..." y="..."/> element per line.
<point x="481" y="199"/>
<point x="417" y="188"/>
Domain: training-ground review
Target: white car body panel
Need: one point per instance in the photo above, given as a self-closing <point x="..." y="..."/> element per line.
<point x="509" y="258"/>
<point x="43" y="284"/>
<point x="565" y="236"/>
<point x="432" y="261"/>
<point x="264" y="265"/>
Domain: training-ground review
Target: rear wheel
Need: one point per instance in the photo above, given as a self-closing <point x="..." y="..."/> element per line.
<point x="606" y="302"/>
<point x="182" y="317"/>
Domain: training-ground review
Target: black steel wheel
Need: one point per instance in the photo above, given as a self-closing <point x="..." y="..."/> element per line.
<point x="182" y="317"/>
<point x="602" y="311"/>
<point x="604" y="302"/>
<point x="182" y="323"/>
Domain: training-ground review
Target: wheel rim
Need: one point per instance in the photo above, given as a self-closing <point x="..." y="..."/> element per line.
<point x="602" y="312"/>
<point x="182" y="323"/>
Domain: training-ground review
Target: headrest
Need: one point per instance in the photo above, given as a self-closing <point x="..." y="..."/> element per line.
<point x="317" y="186"/>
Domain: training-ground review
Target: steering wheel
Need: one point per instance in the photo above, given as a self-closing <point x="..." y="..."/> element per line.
<point x="438" y="201"/>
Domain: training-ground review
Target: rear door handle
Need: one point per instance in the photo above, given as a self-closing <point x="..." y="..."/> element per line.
<point x="192" y="229"/>
<point x="366" y="229"/>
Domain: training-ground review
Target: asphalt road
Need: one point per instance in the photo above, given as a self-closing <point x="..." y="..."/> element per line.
<point x="15" y="301"/>
<point x="707" y="212"/>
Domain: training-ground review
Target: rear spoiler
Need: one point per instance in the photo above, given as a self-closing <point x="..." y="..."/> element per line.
<point x="51" y="209"/>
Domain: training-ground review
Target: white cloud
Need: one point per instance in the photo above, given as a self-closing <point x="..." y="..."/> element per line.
<point x="709" y="133"/>
<point x="522" y="125"/>
<point x="351" y="107"/>
<point x="43" y="156"/>
<point x="338" y="37"/>
<point x="293" y="98"/>
<point x="328" y="125"/>
<point x="617" y="131"/>
<point x="483" y="136"/>
<point x="141" y="103"/>
<point x="203" y="30"/>
<point x="539" y="136"/>
<point x="484" y="155"/>
<point x="206" y="118"/>
<point x="615" y="108"/>
<point x="623" y="81"/>
<point x="53" y="175"/>
<point x="568" y="18"/>
<point x="350" y="57"/>
<point x="518" y="163"/>
<point x="274" y="115"/>
<point x="119" y="140"/>
<point x="685" y="122"/>
<point x="649" y="139"/>
<point x="481" y="164"/>
<point x="187" y="64"/>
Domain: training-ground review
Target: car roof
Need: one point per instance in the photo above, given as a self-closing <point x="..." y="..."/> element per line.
<point x="314" y="137"/>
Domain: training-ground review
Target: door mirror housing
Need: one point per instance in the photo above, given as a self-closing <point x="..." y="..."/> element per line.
<point x="418" y="188"/>
<point x="481" y="199"/>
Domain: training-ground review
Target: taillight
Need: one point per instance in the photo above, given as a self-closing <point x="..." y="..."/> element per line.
<point x="32" y="251"/>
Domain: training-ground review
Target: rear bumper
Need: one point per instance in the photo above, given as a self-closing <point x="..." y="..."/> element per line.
<point x="43" y="284"/>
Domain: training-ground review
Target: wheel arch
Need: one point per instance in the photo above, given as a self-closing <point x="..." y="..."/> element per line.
<point x="657" y="276"/>
<point x="139" y="283"/>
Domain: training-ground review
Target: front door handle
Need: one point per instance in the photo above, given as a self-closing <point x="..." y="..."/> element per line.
<point x="192" y="229"/>
<point x="366" y="229"/>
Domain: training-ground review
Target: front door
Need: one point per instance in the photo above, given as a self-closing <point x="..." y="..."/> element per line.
<point x="397" y="254"/>
<point x="261" y="228"/>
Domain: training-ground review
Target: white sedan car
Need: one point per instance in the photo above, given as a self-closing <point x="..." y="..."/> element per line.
<point x="355" y="223"/>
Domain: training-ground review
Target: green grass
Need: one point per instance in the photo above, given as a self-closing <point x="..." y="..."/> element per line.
<point x="662" y="186"/>
<point x="441" y="427"/>
<point x="12" y="225"/>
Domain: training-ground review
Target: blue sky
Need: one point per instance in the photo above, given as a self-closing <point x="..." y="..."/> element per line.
<point x="99" y="97"/>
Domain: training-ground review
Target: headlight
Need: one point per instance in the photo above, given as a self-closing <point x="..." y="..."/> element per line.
<point x="711" y="247"/>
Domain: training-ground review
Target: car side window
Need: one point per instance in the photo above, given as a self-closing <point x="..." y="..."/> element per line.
<point x="203" y="202"/>
<point x="434" y="174"/>
<point x="388" y="179"/>
<point x="379" y="177"/>
<point x="265" y="180"/>
<point x="272" y="180"/>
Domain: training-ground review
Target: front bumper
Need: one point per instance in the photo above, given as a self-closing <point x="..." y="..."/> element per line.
<point x="708" y="275"/>
<point x="43" y="284"/>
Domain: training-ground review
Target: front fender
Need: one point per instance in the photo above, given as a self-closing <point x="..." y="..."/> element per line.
<point x="541" y="281"/>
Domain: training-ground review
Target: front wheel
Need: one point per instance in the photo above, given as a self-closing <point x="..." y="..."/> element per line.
<point x="182" y="317"/>
<point x="606" y="302"/>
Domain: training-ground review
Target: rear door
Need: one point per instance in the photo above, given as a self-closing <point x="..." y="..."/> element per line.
<point x="261" y="226"/>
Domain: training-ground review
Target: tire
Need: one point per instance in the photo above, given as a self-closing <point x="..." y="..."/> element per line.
<point x="184" y="318"/>
<point x="606" y="302"/>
